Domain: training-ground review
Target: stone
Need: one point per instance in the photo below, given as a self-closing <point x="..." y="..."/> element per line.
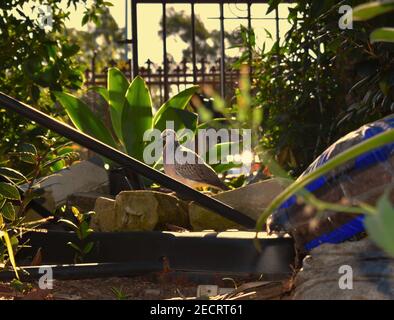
<point x="84" y="176"/>
<point x="250" y="200"/>
<point x="84" y="201"/>
<point x="141" y="210"/>
<point x="104" y="218"/>
<point x="320" y="275"/>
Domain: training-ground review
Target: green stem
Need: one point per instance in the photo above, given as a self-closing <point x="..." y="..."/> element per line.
<point x="368" y="145"/>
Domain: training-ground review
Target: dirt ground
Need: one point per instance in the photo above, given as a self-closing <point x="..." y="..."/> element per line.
<point x="141" y="288"/>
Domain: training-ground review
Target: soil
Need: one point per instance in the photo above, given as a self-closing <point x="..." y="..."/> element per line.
<point x="156" y="287"/>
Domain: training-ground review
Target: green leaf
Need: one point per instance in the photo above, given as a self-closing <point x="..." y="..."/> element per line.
<point x="29" y="148"/>
<point x="217" y="123"/>
<point x="84" y="119"/>
<point x="85" y="19"/>
<point x="2" y="202"/>
<point x="88" y="247"/>
<point x="117" y="89"/>
<point x="12" y="174"/>
<point x="101" y="91"/>
<point x="57" y="164"/>
<point x="136" y="117"/>
<point x="8" y="211"/>
<point x="69" y="50"/>
<point x="380" y="226"/>
<point x="382" y="35"/>
<point x="179" y="101"/>
<point x="372" y="9"/>
<point x="8" y="191"/>
<point x="181" y="118"/>
<point x="272" y="5"/>
<point x="221" y="149"/>
<point x="84" y="229"/>
<point x="10" y="251"/>
<point x="27" y="157"/>
<point x="69" y="223"/>
<point x="74" y="246"/>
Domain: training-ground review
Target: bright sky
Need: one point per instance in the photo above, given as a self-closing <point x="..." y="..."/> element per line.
<point x="149" y="15"/>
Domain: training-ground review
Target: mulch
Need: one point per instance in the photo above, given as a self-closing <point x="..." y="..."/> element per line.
<point x="141" y="288"/>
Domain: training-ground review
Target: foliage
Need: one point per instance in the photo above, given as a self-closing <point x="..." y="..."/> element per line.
<point x="131" y="113"/>
<point x="100" y="42"/>
<point x="237" y="114"/>
<point x="207" y="41"/>
<point x="371" y="10"/>
<point x="119" y="293"/>
<point x="15" y="200"/>
<point x="82" y="230"/>
<point x="35" y="62"/>
<point x="319" y="82"/>
<point x="380" y="224"/>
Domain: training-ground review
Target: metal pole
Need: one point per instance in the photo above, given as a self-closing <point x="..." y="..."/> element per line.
<point x="249" y="44"/>
<point x="134" y="36"/>
<point x="126" y="23"/>
<point x="194" y="58"/>
<point x="124" y="160"/>
<point x="222" y="54"/>
<point x="277" y="23"/>
<point x="165" y="61"/>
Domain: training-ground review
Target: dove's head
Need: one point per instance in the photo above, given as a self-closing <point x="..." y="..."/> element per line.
<point x="169" y="135"/>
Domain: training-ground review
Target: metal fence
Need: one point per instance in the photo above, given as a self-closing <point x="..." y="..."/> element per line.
<point x="178" y="77"/>
<point x="165" y="77"/>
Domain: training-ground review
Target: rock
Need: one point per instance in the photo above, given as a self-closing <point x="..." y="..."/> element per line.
<point x="104" y="218"/>
<point x="372" y="273"/>
<point x="250" y="200"/>
<point x="139" y="210"/>
<point x="148" y="210"/>
<point x="84" y="201"/>
<point x="85" y="176"/>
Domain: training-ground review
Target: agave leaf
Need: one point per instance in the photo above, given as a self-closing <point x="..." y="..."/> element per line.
<point x="84" y="119"/>
<point x="117" y="89"/>
<point x="136" y="117"/>
<point x="179" y="101"/>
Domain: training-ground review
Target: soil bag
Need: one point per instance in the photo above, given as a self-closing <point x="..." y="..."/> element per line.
<point x="365" y="179"/>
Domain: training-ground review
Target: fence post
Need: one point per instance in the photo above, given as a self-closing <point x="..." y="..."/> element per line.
<point x="194" y="57"/>
<point x="222" y="54"/>
<point x="134" y="36"/>
<point x="165" y="60"/>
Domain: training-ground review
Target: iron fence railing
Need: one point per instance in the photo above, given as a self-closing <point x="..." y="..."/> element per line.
<point x="179" y="76"/>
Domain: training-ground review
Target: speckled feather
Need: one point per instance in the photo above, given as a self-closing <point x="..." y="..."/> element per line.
<point x="197" y="174"/>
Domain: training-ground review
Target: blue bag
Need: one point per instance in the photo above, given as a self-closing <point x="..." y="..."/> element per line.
<point x="364" y="178"/>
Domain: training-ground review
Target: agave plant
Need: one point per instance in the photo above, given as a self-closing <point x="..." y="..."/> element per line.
<point x="131" y="112"/>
